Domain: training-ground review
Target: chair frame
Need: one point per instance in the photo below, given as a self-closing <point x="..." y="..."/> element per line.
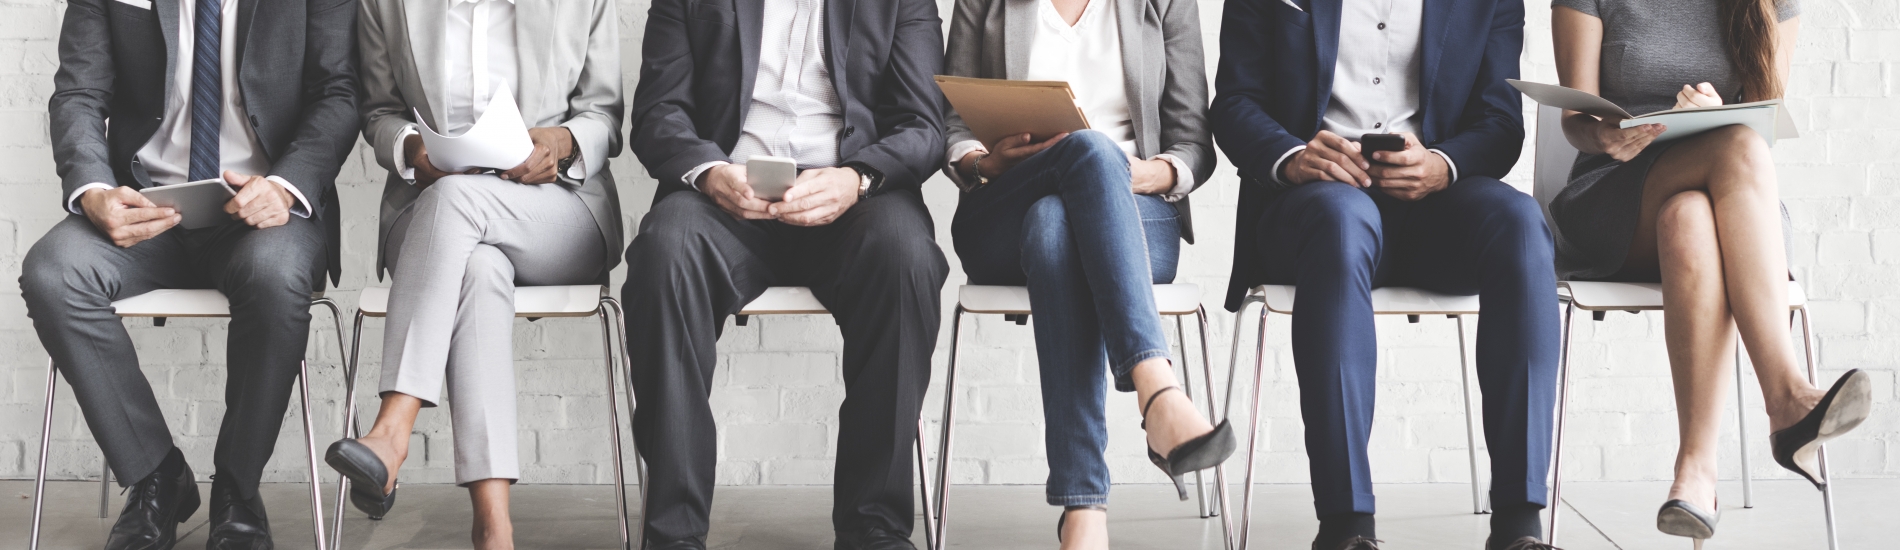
<point x="608" y="331"/>
<point x="105" y="478"/>
<point x="945" y="445"/>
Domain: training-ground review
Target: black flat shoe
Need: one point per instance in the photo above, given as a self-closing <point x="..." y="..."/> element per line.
<point x="367" y="476"/>
<point x="1203" y="452"/>
<point x="1064" y="518"/>
<point x="1846" y="405"/>
<point x="1683" y="519"/>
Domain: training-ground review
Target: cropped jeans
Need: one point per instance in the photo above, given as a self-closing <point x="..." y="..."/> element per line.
<point x="1067" y="224"/>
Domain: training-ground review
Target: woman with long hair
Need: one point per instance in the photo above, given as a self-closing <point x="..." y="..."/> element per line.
<point x="1701" y="214"/>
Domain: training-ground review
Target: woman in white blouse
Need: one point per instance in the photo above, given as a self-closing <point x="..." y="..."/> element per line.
<point x="1090" y="220"/>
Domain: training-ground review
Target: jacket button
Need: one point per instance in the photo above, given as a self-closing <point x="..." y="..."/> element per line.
<point x="848" y="130"/>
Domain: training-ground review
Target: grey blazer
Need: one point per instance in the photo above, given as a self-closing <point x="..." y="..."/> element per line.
<point x="1161" y="59"/>
<point x="569" y="77"/>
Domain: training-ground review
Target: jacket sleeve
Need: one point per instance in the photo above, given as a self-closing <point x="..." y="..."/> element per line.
<point x="385" y="112"/>
<point x="663" y="134"/>
<point x="960" y="58"/>
<point x="1183" y="110"/>
<point x="1490" y="133"/>
<point x="82" y="89"/>
<point x="327" y="131"/>
<point x="908" y="106"/>
<point x="595" y="106"/>
<point x="1254" y="141"/>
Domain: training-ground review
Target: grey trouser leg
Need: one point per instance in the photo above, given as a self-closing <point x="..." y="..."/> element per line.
<point x="457" y="254"/>
<point x="72" y="275"/>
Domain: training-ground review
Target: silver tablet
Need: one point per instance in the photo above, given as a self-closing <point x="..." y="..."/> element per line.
<point x="200" y="203"/>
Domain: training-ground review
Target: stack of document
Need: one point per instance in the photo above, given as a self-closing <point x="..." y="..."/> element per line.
<point x="1769" y="118"/>
<point x="995" y="109"/>
<point x="498" y="140"/>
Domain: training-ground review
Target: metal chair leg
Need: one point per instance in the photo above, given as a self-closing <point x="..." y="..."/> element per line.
<point x="1207" y="383"/>
<point x="1187" y="389"/>
<point x="310" y="451"/>
<point x="46" y="437"/>
<point x="349" y="428"/>
<point x="1827" y="479"/>
<point x="1563" y="401"/>
<point x="949" y="422"/>
<point x="1741" y="426"/>
<point x="1471" y="425"/>
<point x="105" y="485"/>
<point x="1253" y="427"/>
<point x="1227" y="408"/>
<point x="923" y="482"/>
<point x="638" y="531"/>
<point x="613" y="420"/>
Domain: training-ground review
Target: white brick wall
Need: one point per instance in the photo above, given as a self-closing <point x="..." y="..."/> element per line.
<point x="778" y="392"/>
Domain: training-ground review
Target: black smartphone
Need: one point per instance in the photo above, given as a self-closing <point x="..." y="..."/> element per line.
<point x="1370" y="143"/>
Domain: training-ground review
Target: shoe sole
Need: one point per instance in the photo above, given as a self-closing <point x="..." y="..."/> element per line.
<point x="1850" y="408"/>
<point x="371" y="504"/>
<point x="1681" y="523"/>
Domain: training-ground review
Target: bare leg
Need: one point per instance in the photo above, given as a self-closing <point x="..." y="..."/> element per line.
<point x="1084" y="529"/>
<point x="493" y="530"/>
<point x="389" y="437"/>
<point x="1700" y="337"/>
<point x="1172" y="419"/>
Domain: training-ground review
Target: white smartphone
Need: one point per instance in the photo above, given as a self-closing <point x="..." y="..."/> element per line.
<point x="770" y="177"/>
<point x="199" y="203"/>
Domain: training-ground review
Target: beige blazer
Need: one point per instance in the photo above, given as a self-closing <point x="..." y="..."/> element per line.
<point x="569" y="76"/>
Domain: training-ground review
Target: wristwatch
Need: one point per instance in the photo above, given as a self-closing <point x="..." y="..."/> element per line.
<point x="977" y="166"/>
<point x="574" y="153"/>
<point x="869" y="179"/>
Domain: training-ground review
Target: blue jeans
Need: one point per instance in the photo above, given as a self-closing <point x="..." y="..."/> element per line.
<point x="1067" y="224"/>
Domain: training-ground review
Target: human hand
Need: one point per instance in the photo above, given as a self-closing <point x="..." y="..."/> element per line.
<point x="126" y="216"/>
<point x="417" y="154"/>
<point x="1328" y="157"/>
<point x="1700" y="95"/>
<point x="1009" y="152"/>
<point x="1621" y="143"/>
<point x="551" y="144"/>
<point x="727" y="185"/>
<point x="1152" y="176"/>
<point x="1411" y="173"/>
<point x="818" y="197"/>
<point x="260" y="202"/>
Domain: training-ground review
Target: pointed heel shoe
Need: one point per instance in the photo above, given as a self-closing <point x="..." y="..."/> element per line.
<point x="367" y="476"/>
<point x="1846" y="405"/>
<point x="1683" y="519"/>
<point x="1202" y="452"/>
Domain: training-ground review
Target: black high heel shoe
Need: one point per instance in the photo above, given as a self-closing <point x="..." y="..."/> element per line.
<point x="1683" y="519"/>
<point x="367" y="476"/>
<point x="1200" y="453"/>
<point x="1064" y="518"/>
<point x="1846" y="405"/>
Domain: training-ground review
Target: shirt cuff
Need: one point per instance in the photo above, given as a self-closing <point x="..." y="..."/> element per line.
<point x="72" y="201"/>
<point x="302" y="203"/>
<point x="578" y="170"/>
<point x="1277" y="163"/>
<point x="1448" y="164"/>
<point x="403" y="169"/>
<point x="692" y="176"/>
<point x="1183" y="178"/>
<point x="957" y="151"/>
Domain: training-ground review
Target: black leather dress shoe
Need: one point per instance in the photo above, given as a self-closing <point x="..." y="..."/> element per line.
<point x="236" y="524"/>
<point x="1354" y="543"/>
<point x="153" y="509"/>
<point x="1527" y="543"/>
<point x="681" y="544"/>
<point x="873" y="539"/>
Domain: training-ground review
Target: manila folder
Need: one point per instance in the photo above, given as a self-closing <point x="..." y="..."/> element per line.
<point x="996" y="108"/>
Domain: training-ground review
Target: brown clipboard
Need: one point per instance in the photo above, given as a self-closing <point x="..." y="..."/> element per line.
<point x="996" y="108"/>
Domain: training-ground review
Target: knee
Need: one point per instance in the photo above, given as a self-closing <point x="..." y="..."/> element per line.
<point x="488" y="268"/>
<point x="1687" y="217"/>
<point x="54" y="273"/>
<point x="284" y="275"/>
<point x="453" y="192"/>
<point x="673" y="236"/>
<point x="1090" y="145"/>
<point x="902" y="247"/>
<point x="1338" y="213"/>
<point x="1047" y="244"/>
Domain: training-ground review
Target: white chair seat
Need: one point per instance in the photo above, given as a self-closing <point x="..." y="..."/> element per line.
<point x="1602" y="296"/>
<point x="1385" y="301"/>
<point x="171" y="302"/>
<point x="785" y="300"/>
<point x="1170" y="299"/>
<point x="530" y="301"/>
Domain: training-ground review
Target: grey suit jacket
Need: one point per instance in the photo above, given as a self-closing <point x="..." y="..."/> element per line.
<point x="1162" y="62"/>
<point x="569" y="76"/>
<point x="298" y="86"/>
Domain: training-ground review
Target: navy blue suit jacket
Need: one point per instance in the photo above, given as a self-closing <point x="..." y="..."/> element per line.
<point x="1276" y="76"/>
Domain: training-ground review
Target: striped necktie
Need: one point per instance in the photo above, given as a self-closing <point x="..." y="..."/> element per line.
<point x="207" y="93"/>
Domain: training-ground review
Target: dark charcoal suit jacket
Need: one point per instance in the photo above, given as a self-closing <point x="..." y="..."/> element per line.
<point x="296" y="76"/>
<point x="701" y="57"/>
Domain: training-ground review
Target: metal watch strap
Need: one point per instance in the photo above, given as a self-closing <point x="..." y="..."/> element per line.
<point x="977" y="167"/>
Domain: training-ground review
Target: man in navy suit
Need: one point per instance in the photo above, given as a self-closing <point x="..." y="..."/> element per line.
<point x="1300" y="83"/>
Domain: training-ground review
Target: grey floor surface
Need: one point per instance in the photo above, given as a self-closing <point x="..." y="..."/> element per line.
<point x="1787" y="515"/>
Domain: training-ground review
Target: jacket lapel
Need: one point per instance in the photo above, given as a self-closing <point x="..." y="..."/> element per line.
<point x="168" y="27"/>
<point x="750" y="13"/>
<point x="534" y="55"/>
<point x="1326" y="47"/>
<point x="424" y="21"/>
<point x="1129" y="16"/>
<point x="1431" y="40"/>
<point x="1019" y="34"/>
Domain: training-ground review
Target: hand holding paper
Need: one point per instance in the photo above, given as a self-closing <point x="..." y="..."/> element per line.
<point x="498" y="140"/>
<point x="1769" y="118"/>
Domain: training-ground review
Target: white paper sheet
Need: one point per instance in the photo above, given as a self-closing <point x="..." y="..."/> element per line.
<point x="498" y="140"/>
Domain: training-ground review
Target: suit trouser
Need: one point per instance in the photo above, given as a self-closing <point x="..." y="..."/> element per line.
<point x="456" y="255"/>
<point x="879" y="271"/>
<point x="73" y="274"/>
<point x="1478" y="236"/>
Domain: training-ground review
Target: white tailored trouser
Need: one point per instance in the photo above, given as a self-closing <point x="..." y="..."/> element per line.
<point x="455" y="255"/>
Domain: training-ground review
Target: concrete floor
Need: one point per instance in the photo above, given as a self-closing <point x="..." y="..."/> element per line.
<point x="1787" y="515"/>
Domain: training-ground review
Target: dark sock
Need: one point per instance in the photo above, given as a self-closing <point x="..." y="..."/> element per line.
<point x="173" y="464"/>
<point x="1336" y="528"/>
<point x="1510" y="522"/>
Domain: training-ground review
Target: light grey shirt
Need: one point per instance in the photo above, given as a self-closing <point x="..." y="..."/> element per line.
<point x="794" y="112"/>
<point x="1376" y="76"/>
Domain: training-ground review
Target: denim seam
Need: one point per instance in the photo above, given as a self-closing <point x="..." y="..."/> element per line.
<point x="1077" y="500"/>
<point x="1129" y="364"/>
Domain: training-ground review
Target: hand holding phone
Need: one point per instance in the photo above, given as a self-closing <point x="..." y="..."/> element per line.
<point x="1372" y="143"/>
<point x="770" y="176"/>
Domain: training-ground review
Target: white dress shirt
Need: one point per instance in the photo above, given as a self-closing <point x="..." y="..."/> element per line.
<point x="1376" y="76"/>
<point x="167" y="155"/>
<point x="1087" y="55"/>
<point x="795" y="112"/>
<point x="482" y="54"/>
